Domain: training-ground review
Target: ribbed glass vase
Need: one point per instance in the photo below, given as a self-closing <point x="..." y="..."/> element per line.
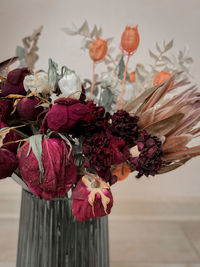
<point x="49" y="236"/>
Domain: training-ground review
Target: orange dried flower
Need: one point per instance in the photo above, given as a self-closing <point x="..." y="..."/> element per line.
<point x="98" y="49"/>
<point x="130" y="39"/>
<point x="162" y="77"/>
<point x="122" y="171"/>
<point x="132" y="77"/>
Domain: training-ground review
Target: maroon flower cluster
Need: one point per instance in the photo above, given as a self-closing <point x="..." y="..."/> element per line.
<point x="125" y="126"/>
<point x="149" y="160"/>
<point x="49" y="167"/>
<point x="102" y="151"/>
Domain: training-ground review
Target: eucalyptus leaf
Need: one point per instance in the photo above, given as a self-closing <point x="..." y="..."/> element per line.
<point x="21" y="54"/>
<point x="158" y="48"/>
<point x="169" y="45"/>
<point x="52" y="73"/>
<point x="84" y="29"/>
<point x="94" y="32"/>
<point x="153" y="55"/>
<point x="107" y="98"/>
<point x="68" y="143"/>
<point x="121" y="68"/>
<point x="35" y="144"/>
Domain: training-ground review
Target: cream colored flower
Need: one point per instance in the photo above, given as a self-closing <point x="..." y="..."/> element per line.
<point x="38" y="81"/>
<point x="69" y="83"/>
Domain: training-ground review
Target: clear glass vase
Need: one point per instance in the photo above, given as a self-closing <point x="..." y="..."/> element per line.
<point x="49" y="236"/>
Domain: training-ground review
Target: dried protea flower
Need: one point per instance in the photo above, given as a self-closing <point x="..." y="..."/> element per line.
<point x="8" y="163"/>
<point x="47" y="166"/>
<point x="28" y="108"/>
<point x="14" y="82"/>
<point x="130" y="39"/>
<point x="98" y="50"/>
<point x="174" y="120"/>
<point x="92" y="198"/>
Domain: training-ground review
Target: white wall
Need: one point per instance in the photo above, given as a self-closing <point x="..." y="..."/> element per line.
<point x="157" y="20"/>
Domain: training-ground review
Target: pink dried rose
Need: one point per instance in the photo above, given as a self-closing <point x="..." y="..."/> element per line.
<point x="54" y="175"/>
<point x="14" y="82"/>
<point x="11" y="136"/>
<point x="92" y="198"/>
<point x="65" y="114"/>
<point x="6" y="108"/>
<point x="8" y="163"/>
<point x="27" y="108"/>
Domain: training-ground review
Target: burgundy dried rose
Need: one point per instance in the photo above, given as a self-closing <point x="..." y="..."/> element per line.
<point x="11" y="136"/>
<point x="14" y="82"/>
<point x="102" y="151"/>
<point x="59" y="170"/>
<point x="6" y="108"/>
<point x="92" y="198"/>
<point x="125" y="126"/>
<point x="65" y="114"/>
<point x="27" y="109"/>
<point x="8" y="163"/>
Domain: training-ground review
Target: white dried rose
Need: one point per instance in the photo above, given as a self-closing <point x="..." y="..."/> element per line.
<point x="69" y="83"/>
<point x="37" y="81"/>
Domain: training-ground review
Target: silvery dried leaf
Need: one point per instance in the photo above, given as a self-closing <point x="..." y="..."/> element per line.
<point x="35" y="144"/>
<point x="158" y="48"/>
<point x="167" y="59"/>
<point x="169" y="45"/>
<point x="99" y="34"/>
<point x="107" y="98"/>
<point x="52" y="74"/>
<point x="153" y="55"/>
<point x="94" y="32"/>
<point x="84" y="29"/>
<point x="21" y="54"/>
<point x="121" y="68"/>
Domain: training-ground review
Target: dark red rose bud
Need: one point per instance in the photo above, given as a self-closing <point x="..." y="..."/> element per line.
<point x="27" y="109"/>
<point x="11" y="136"/>
<point x="8" y="163"/>
<point x="64" y="115"/>
<point x="6" y="108"/>
<point x="59" y="171"/>
<point x="14" y="83"/>
<point x="92" y="198"/>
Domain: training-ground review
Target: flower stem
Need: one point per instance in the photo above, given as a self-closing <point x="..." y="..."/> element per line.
<point x="92" y="85"/>
<point x="124" y="83"/>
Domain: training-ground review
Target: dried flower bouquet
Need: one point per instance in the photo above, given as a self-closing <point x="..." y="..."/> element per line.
<point x="63" y="134"/>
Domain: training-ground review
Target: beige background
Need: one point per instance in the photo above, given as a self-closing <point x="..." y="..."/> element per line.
<point x="168" y="197"/>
